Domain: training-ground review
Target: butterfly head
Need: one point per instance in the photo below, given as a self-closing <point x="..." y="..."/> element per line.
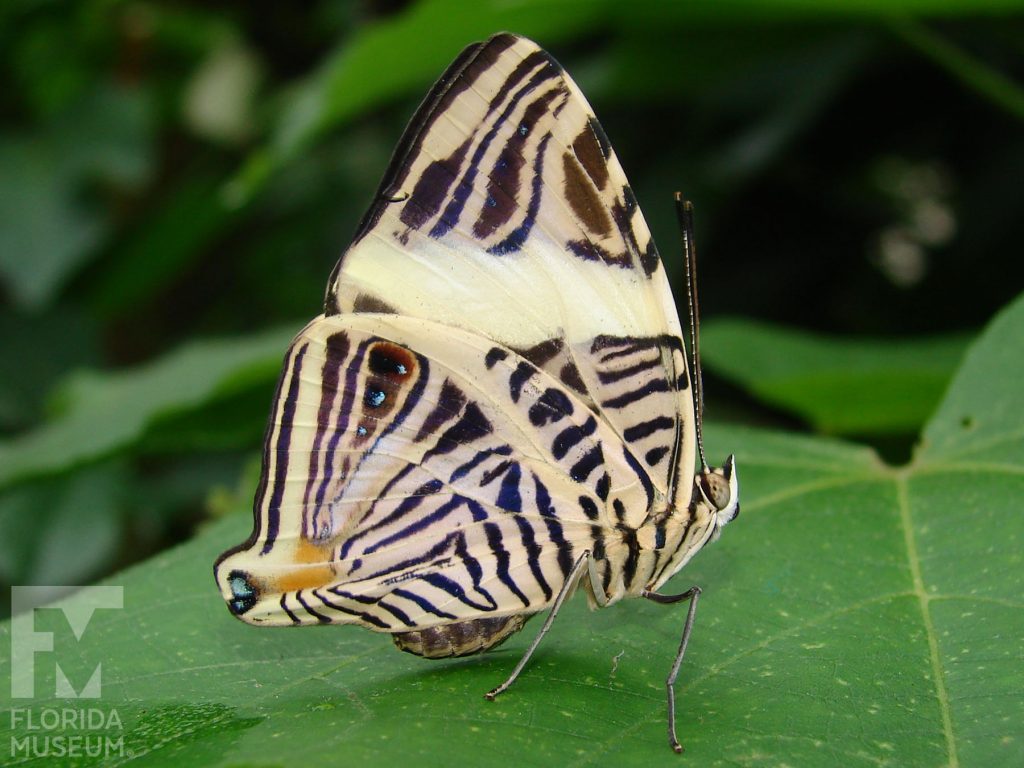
<point x="720" y="488"/>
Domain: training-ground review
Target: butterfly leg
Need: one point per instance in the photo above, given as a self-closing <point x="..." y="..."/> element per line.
<point x="692" y="594"/>
<point x="563" y="593"/>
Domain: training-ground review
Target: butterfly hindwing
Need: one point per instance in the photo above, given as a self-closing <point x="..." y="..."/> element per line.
<point x="421" y="475"/>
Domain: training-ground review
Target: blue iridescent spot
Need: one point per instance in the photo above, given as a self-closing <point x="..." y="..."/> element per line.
<point x="361" y="431"/>
<point x="523" y="129"/>
<point x="374" y="398"/>
<point x="243" y="595"/>
<point x="240" y="585"/>
<point x="491" y="202"/>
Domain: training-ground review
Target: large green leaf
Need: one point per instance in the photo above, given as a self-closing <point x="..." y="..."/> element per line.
<point x="854" y="614"/>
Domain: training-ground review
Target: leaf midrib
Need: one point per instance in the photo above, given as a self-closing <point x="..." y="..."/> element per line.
<point x="923" y="599"/>
<point x="917" y="591"/>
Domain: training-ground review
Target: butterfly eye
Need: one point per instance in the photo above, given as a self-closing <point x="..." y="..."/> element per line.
<point x="721" y="488"/>
<point x="715" y="488"/>
<point x="243" y="593"/>
<point x="716" y="484"/>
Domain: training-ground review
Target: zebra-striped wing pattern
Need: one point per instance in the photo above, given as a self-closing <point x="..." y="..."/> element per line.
<point x="417" y="475"/>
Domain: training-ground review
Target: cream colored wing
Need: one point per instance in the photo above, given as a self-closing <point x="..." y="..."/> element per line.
<point x="416" y="474"/>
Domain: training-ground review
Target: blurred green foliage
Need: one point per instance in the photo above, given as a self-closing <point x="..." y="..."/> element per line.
<point x="177" y="180"/>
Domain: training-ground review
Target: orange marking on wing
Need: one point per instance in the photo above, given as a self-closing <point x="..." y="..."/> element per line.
<point x="314" y="568"/>
<point x="305" y="578"/>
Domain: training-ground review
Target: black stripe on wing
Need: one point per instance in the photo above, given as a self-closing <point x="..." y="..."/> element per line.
<point x="281" y="450"/>
<point x="474" y="60"/>
<point x="261" y="489"/>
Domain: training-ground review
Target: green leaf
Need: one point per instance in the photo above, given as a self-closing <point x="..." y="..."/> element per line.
<point x="839" y="386"/>
<point x="853" y="615"/>
<point x="164" y="244"/>
<point x="74" y="532"/>
<point x="69" y="338"/>
<point x="105" y="412"/>
<point x="47" y="230"/>
<point x="980" y="418"/>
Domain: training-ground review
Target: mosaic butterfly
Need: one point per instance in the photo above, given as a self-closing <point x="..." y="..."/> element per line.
<point x="495" y="406"/>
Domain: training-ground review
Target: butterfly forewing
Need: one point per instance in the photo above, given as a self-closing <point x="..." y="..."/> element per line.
<point x="505" y="212"/>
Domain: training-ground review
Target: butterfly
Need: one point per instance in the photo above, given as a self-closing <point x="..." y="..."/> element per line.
<point x="496" y="405"/>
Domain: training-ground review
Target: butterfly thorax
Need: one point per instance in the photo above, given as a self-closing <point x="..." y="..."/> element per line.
<point x="677" y="537"/>
<point x="674" y="539"/>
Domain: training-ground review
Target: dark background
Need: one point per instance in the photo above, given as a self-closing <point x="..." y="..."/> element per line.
<point x="175" y="172"/>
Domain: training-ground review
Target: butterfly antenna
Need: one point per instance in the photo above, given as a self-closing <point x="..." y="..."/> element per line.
<point x="684" y="211"/>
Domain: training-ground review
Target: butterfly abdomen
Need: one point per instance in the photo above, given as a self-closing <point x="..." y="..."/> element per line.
<point x="463" y="638"/>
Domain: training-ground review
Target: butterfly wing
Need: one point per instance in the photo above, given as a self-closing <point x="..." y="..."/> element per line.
<point x="498" y="382"/>
<point x="417" y="474"/>
<point x="505" y="212"/>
